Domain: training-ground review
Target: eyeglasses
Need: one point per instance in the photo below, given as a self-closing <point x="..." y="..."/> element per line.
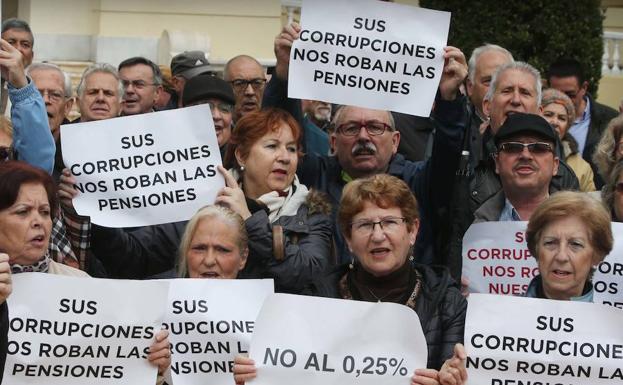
<point x="373" y="128"/>
<point x="224" y="108"/>
<point x="137" y="84"/>
<point x="6" y="153"/>
<point x="517" y="147"/>
<point x="388" y="225"/>
<point x="241" y="84"/>
<point x="54" y="96"/>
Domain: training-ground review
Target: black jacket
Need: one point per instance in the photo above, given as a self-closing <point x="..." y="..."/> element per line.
<point x="440" y="307"/>
<point x="4" y="335"/>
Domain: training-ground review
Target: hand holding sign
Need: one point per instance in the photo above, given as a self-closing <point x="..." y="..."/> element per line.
<point x="283" y="46"/>
<point x="159" y="354"/>
<point x="453" y="371"/>
<point x="232" y="196"/>
<point x="5" y="277"/>
<point x="244" y="370"/>
<point x="454" y="73"/>
<point x="66" y="190"/>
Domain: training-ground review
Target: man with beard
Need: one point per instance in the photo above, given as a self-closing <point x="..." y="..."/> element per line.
<point x="525" y="162"/>
<point x="246" y="76"/>
<point x="365" y="142"/>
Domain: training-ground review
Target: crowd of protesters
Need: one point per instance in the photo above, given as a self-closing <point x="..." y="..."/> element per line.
<point x="327" y="200"/>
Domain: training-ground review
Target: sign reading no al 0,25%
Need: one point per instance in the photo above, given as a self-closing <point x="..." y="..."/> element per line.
<point x="349" y="364"/>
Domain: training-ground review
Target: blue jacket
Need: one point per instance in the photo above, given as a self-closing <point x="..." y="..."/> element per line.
<point x="32" y="138"/>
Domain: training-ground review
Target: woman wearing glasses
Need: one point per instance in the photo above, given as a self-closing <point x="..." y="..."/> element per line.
<point x="288" y="226"/>
<point x="378" y="217"/>
<point x="559" y="112"/>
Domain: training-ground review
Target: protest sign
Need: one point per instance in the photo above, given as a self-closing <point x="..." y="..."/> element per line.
<point x="608" y="279"/>
<point x="518" y="340"/>
<point x="210" y="321"/>
<point x="321" y="341"/>
<point x="496" y="259"/>
<point x="144" y="169"/>
<point x="370" y="54"/>
<point x="99" y="334"/>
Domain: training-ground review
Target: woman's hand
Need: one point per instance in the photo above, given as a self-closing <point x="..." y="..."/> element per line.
<point x="244" y="369"/>
<point x="425" y="377"/>
<point x="66" y="190"/>
<point x="159" y="353"/>
<point x="453" y="371"/>
<point x="232" y="196"/>
<point x="6" y="285"/>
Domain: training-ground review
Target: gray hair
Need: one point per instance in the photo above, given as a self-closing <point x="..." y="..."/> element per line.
<point x="18" y="24"/>
<point x="99" y="67"/>
<point x="338" y="116"/>
<point x="52" y="67"/>
<point x="155" y="70"/>
<point x="519" y="66"/>
<point x="471" y="72"/>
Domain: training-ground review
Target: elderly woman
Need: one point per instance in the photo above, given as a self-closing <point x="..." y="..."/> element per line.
<point x="214" y="245"/>
<point x="558" y="110"/>
<point x="288" y="226"/>
<point x="612" y="193"/>
<point x="27" y="202"/>
<point x="378" y="217"/>
<point x="569" y="234"/>
<point x="609" y="150"/>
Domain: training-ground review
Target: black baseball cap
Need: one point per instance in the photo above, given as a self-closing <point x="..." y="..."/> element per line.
<point x="207" y="86"/>
<point x="521" y="123"/>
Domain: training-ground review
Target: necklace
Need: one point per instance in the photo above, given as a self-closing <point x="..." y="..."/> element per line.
<point x="378" y="299"/>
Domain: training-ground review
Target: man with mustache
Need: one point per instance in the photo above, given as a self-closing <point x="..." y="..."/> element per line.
<point x="365" y="142"/>
<point x="525" y="161"/>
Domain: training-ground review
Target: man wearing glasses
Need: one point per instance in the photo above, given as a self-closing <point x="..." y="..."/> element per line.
<point x="525" y="162"/>
<point x="142" y="85"/>
<point x="246" y="76"/>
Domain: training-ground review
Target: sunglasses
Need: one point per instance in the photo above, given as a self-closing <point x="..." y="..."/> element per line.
<point x="517" y="147"/>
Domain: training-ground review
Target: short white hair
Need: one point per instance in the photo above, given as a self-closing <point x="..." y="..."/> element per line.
<point x="519" y="66"/>
<point x="471" y="65"/>
<point x="104" y="68"/>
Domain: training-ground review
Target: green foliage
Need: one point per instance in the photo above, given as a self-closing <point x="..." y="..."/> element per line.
<point x="535" y="31"/>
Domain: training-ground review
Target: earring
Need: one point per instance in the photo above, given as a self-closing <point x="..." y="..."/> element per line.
<point x="411" y="258"/>
<point x="351" y="265"/>
<point x="241" y="167"/>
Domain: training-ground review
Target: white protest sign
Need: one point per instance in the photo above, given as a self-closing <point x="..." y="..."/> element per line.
<point x="74" y="331"/>
<point x="144" y="169"/>
<point x="320" y="341"/>
<point x="210" y="321"/>
<point x="608" y="279"/>
<point x="515" y="340"/>
<point x="370" y="54"/>
<point x="496" y="258"/>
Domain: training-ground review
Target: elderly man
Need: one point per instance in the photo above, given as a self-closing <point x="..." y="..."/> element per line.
<point x="483" y="62"/>
<point x="17" y="33"/>
<point x="365" y="142"/>
<point x="99" y="93"/>
<point x="185" y="66"/>
<point x="142" y="85"/>
<point x="526" y="162"/>
<point x="246" y="75"/>
<point x="592" y="118"/>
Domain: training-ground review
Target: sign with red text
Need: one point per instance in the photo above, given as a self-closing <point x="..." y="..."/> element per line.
<point x="518" y="340"/>
<point x="496" y="259"/>
<point x="74" y="331"/>
<point x="321" y="341"/>
<point x="608" y="279"/>
<point x="210" y="321"/>
<point x="144" y="169"/>
<point x="370" y="54"/>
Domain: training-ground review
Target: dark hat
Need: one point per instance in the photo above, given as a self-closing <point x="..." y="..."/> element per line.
<point x="525" y="123"/>
<point x="189" y="64"/>
<point x="207" y="86"/>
